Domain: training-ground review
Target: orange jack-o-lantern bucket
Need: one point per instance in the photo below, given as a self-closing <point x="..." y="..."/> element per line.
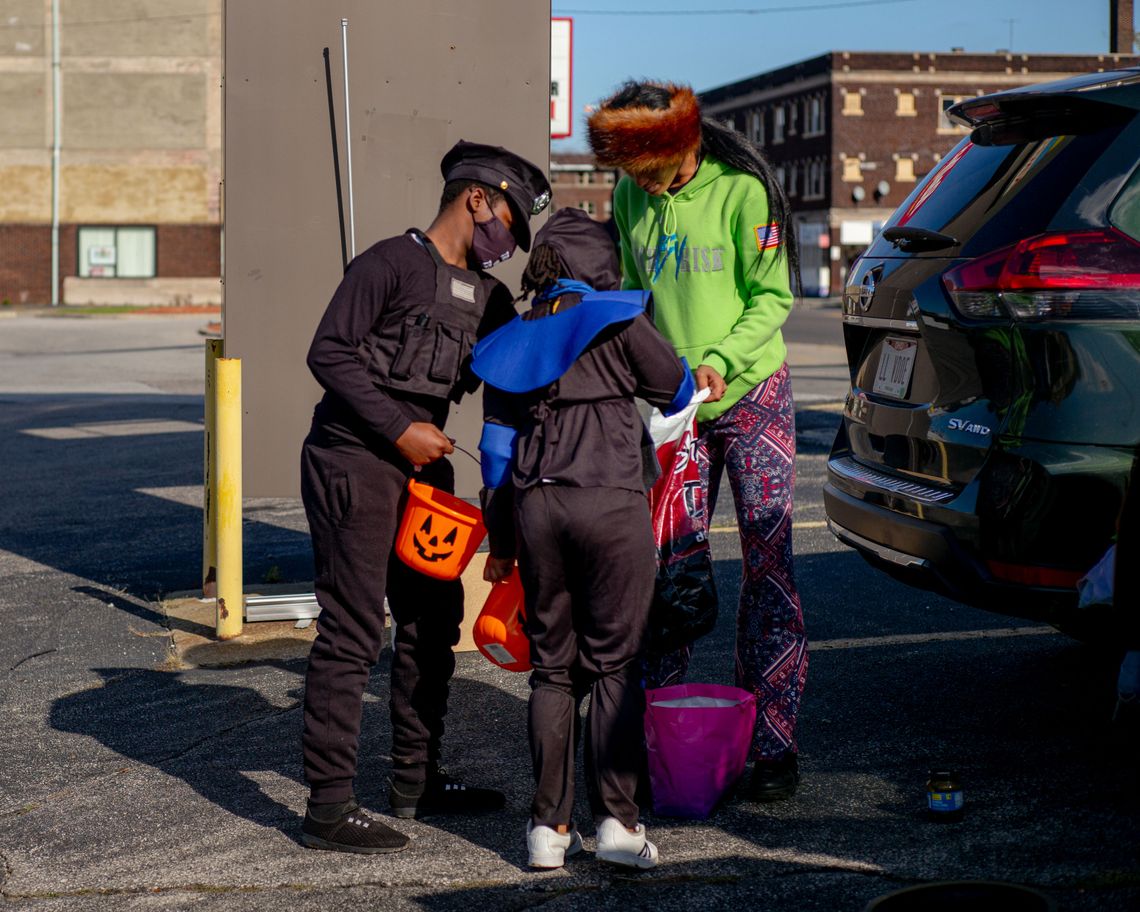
<point x="498" y="631"/>
<point x="439" y="532"/>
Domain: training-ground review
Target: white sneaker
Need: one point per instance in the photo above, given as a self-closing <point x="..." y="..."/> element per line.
<point x="548" y="848"/>
<point x="618" y="845"/>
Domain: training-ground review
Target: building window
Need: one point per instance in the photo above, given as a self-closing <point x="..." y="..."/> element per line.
<point x="852" y="103"/>
<point x="781" y="175"/>
<point x="852" y="169"/>
<point x="906" y="106"/>
<point x="607" y="177"/>
<point x="778" y="116"/>
<point x="608" y="208"/>
<point x="945" y="124"/>
<point x="588" y="207"/>
<point x="814" y="185"/>
<point x="793" y="117"/>
<point x="117" y="252"/>
<point x="904" y="169"/>
<point x="756" y="134"/>
<point x="813" y="118"/>
<point x="583" y="177"/>
<point x="793" y="178"/>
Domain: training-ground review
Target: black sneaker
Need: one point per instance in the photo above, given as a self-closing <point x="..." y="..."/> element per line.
<point x="441" y="794"/>
<point x="351" y="831"/>
<point x="774" y="780"/>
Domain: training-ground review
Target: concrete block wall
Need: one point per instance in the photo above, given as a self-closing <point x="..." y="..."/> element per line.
<point x="141" y="133"/>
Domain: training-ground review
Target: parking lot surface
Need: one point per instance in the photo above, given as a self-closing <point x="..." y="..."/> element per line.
<point x="131" y="783"/>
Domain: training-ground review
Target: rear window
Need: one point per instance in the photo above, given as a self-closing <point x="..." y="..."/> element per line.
<point x="1125" y="213"/>
<point x="988" y="196"/>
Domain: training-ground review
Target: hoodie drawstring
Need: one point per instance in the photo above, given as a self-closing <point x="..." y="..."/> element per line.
<point x="667" y="239"/>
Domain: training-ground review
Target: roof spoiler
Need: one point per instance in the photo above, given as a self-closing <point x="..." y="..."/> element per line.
<point x="1088" y="96"/>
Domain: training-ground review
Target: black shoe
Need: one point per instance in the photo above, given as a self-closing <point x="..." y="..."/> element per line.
<point x="352" y="830"/>
<point x="441" y="794"/>
<point x="774" y="780"/>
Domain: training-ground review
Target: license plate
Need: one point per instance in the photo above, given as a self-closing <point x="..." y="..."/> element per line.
<point x="896" y="362"/>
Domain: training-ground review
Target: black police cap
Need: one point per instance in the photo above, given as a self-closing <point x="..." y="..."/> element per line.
<point x="522" y="183"/>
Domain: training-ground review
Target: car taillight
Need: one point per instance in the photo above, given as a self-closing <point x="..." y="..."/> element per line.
<point x="1076" y="275"/>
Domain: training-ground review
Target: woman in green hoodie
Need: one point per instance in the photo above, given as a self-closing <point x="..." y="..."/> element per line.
<point x="706" y="227"/>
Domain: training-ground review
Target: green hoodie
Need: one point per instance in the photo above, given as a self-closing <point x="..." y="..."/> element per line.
<point x="720" y="286"/>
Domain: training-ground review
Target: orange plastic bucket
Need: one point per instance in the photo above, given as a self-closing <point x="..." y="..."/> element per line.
<point x="498" y="631"/>
<point x="438" y="532"/>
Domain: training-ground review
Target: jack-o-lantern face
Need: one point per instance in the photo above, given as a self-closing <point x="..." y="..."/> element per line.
<point x="430" y="552"/>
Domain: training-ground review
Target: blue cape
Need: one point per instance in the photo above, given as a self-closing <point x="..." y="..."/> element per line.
<point x="524" y="355"/>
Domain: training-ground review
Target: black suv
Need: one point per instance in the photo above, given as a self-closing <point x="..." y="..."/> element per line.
<point x="993" y="336"/>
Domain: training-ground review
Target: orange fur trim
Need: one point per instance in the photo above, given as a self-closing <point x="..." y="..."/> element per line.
<point x="646" y="139"/>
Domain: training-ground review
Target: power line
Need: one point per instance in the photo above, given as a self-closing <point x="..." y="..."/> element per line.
<point x="847" y="4"/>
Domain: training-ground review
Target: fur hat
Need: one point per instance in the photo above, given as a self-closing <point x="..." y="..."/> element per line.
<point x="639" y="138"/>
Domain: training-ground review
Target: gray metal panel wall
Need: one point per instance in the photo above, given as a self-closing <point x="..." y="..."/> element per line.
<point x="422" y="76"/>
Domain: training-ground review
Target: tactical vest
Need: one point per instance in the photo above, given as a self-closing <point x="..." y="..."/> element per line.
<point x="424" y="347"/>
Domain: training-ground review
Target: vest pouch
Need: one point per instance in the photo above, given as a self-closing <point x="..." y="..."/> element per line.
<point x="422" y="346"/>
<point x="447" y="354"/>
<point x="413" y="340"/>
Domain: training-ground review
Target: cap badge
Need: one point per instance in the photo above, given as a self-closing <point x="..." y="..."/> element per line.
<point x="503" y="185"/>
<point x="540" y="202"/>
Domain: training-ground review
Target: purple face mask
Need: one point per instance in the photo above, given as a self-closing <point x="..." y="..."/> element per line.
<point x="492" y="242"/>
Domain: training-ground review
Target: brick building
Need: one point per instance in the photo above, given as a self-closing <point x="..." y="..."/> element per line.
<point x="139" y="151"/>
<point x="850" y="133"/>
<point x="576" y="181"/>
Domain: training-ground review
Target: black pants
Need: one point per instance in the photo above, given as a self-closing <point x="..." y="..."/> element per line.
<point x="588" y="565"/>
<point x="353" y="500"/>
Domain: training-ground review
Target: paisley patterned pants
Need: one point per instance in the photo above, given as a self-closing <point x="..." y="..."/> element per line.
<point x="755" y="442"/>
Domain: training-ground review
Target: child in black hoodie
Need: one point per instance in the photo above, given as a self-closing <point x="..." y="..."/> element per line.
<point x="564" y="491"/>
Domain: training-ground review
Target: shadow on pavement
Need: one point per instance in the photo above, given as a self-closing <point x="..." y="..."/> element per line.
<point x="216" y="730"/>
<point x="211" y="735"/>
<point x="57" y="511"/>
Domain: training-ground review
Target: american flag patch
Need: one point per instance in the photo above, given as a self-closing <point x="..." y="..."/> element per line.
<point x="767" y="236"/>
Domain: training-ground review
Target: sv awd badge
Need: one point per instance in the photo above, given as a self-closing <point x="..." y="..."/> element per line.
<point x="968" y="427"/>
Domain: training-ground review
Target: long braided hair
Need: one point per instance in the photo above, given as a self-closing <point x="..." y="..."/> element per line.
<point x="542" y="269"/>
<point x="737" y="152"/>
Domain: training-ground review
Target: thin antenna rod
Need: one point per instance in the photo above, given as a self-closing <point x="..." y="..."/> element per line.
<point x="336" y="164"/>
<point x="348" y="139"/>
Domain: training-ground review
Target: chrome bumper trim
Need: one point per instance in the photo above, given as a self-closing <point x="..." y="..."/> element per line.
<point x="882" y="551"/>
<point x="881" y="322"/>
<point x="848" y="468"/>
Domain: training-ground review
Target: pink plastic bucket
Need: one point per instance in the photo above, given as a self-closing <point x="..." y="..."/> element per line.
<point x="698" y="737"/>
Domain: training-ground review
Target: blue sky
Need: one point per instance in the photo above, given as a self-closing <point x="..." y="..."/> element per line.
<point x="707" y="50"/>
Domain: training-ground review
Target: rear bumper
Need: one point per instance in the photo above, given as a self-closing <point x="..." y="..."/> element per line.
<point x="900" y="542"/>
<point x="931" y="556"/>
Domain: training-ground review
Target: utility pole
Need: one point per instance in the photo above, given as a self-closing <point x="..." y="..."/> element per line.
<point x="56" y="131"/>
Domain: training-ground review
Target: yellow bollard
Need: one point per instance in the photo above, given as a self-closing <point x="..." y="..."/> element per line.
<point x="214" y="350"/>
<point x="227" y="480"/>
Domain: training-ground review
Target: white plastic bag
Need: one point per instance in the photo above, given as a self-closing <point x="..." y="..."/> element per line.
<point x="1095" y="587"/>
<point x="684" y="600"/>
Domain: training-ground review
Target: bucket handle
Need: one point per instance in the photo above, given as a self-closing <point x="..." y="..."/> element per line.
<point x="466" y="453"/>
<point x="442" y="508"/>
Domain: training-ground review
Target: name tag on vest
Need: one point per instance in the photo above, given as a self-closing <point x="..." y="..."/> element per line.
<point x="462" y="291"/>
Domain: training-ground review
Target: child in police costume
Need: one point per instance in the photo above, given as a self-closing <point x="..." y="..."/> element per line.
<point x="392" y="352"/>
<point x="564" y="490"/>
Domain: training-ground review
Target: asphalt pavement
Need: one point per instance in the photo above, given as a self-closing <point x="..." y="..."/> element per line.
<point x="131" y="783"/>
